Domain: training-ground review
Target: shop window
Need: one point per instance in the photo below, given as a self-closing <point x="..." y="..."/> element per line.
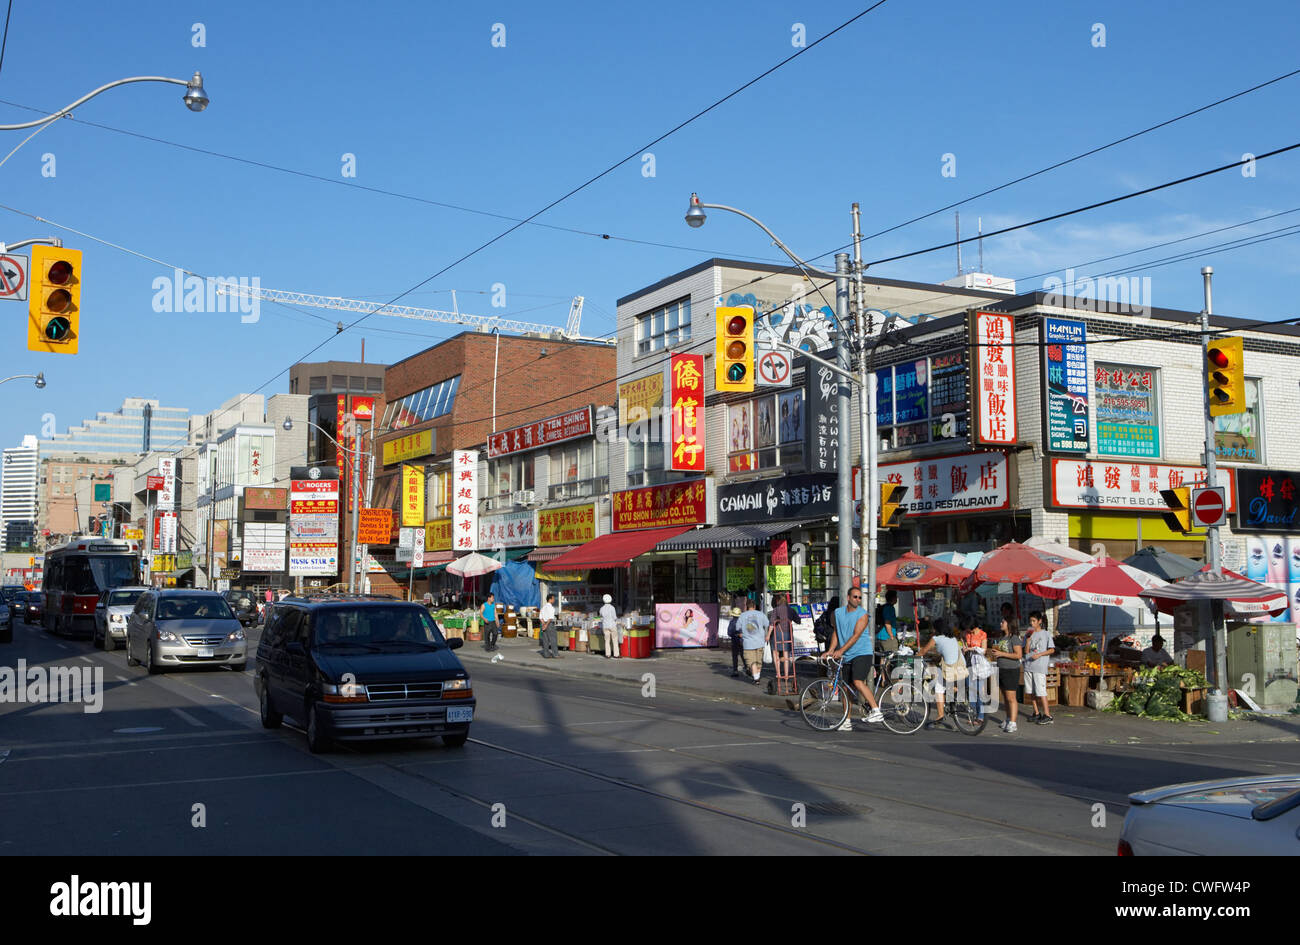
<point x="1239" y="437"/>
<point x="923" y="401"/>
<point x="767" y="432"/>
<point x="510" y="474"/>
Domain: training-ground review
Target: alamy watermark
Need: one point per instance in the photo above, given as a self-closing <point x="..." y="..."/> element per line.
<point x="1101" y="294"/>
<point x="211" y="295"/>
<point x="42" y="684"/>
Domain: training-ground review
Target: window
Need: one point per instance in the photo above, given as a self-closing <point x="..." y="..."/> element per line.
<point x="579" y="469"/>
<point x="510" y="474"/>
<point x="767" y="432"/>
<point x="374" y="384"/>
<point x="663" y="327"/>
<point x="1127" y="399"/>
<point x="922" y="401"/>
<point x="426" y="404"/>
<point x="356" y="383"/>
<point x="1239" y="437"/>
<point x="317" y="385"/>
<point x="338" y="382"/>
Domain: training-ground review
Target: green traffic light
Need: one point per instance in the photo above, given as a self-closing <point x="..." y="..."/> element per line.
<point x="58" y="329"/>
<point x="735" y="373"/>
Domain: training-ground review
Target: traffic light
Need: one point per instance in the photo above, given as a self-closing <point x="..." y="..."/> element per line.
<point x="1225" y="377"/>
<point x="734" y="352"/>
<point x="891" y="498"/>
<point x="54" y="302"/>
<point x="1179" y="518"/>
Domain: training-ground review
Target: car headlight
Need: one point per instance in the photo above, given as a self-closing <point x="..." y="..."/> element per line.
<point x="166" y="636"/>
<point x="235" y="635"/>
<point x="457" y="689"/>
<point x="348" y="692"/>
<point x="116" y="618"/>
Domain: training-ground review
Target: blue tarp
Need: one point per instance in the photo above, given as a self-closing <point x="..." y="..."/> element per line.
<point x="516" y="585"/>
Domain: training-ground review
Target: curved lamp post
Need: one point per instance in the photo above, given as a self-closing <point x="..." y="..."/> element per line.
<point x="40" y="379"/>
<point x="195" y="98"/>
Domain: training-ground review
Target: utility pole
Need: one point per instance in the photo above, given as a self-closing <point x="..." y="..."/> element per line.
<point x="1218" y="633"/>
<point x="844" y="456"/>
<point x="867" y="432"/>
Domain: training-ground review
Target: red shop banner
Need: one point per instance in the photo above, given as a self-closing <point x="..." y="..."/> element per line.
<point x="687" y="412"/>
<point x="557" y="429"/>
<point x="678" y="503"/>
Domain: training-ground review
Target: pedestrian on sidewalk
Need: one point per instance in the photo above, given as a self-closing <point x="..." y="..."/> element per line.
<point x="609" y="627"/>
<point x="1008" y="649"/>
<point x="753" y="625"/>
<point x="781" y="636"/>
<point x="733" y="634"/>
<point x="550" y="648"/>
<point x="491" y="628"/>
<point x="1037" y="661"/>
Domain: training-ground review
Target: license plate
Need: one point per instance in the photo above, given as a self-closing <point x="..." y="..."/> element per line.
<point x="204" y="651"/>
<point x="461" y="714"/>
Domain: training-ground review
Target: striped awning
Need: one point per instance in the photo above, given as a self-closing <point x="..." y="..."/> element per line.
<point x="546" y="554"/>
<point x="756" y="535"/>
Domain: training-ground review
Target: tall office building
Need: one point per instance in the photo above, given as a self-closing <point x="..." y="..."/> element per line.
<point x="18" y="476"/>
<point x="138" y="426"/>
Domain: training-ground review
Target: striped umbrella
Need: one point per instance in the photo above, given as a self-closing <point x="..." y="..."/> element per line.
<point x="1241" y="596"/>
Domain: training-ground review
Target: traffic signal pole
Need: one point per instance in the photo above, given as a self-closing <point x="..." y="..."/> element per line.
<point x="1217" y="630"/>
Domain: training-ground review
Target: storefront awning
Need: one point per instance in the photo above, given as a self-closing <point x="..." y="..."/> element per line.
<point x="728" y="536"/>
<point x="546" y="554"/>
<point x="613" y="551"/>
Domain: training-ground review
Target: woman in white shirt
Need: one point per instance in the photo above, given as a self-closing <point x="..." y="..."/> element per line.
<point x="950" y="665"/>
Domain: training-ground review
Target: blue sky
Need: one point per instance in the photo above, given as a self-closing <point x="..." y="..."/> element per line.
<point x="431" y="109"/>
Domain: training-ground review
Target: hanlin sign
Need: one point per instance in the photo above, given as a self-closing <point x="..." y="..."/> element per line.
<point x="687" y="412"/>
<point x="1065" y="366"/>
<point x="465" y="500"/>
<point x="994" y="396"/>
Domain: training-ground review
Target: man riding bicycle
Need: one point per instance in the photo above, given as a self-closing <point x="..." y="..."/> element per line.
<point x="855" y="647"/>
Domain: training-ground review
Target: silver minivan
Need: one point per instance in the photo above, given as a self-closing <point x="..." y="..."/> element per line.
<point x="184" y="627"/>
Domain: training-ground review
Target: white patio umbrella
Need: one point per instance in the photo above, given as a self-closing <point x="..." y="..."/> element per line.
<point x="473" y="565"/>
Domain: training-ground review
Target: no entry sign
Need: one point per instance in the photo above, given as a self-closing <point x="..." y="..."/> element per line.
<point x="1209" y="507"/>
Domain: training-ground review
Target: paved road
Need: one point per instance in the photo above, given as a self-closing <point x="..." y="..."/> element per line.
<point x="580" y="766"/>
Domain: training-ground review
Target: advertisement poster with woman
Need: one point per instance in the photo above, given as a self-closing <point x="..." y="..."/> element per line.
<point x="686" y="625"/>
<point x="792" y="416"/>
<point x="740" y="440"/>
<point x="1271" y="560"/>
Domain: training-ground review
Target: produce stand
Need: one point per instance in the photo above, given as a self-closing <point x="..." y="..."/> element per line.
<point x="1171" y="693"/>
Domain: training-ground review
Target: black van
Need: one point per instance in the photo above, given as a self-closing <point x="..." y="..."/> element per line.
<point x="355" y="668"/>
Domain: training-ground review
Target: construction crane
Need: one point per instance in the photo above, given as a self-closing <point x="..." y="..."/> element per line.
<point x="484" y="323"/>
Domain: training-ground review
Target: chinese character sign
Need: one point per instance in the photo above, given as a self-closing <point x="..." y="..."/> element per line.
<point x="640" y="400"/>
<point x="678" y="503"/>
<point x="994" y="393"/>
<point x="1128" y="410"/>
<point x="1065" y="372"/>
<point x="687" y="413"/>
<point x="822" y="397"/>
<point x="412" y="496"/>
<point x="464" y="500"/>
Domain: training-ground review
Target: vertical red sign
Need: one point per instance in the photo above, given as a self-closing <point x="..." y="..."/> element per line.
<point x="687" y="413"/>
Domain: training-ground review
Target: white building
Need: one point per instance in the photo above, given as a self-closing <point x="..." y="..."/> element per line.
<point x="18" y="486"/>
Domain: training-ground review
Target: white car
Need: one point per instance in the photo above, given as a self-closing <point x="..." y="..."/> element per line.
<point x="1251" y="816"/>
<point x="111" y="612"/>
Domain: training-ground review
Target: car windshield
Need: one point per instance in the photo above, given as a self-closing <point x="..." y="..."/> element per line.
<point x="116" y="598"/>
<point x="112" y="570"/>
<point x="371" y="625"/>
<point x="193" y="608"/>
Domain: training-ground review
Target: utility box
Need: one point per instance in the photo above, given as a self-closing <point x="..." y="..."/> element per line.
<point x="1262" y="662"/>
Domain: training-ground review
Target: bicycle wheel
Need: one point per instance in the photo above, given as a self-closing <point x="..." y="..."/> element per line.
<point x="824" y="705"/>
<point x="967" y="717"/>
<point x="904" y="707"/>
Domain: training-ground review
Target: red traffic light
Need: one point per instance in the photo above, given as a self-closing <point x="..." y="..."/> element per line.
<point x="737" y="326"/>
<point x="60" y="273"/>
<point x="1218" y="358"/>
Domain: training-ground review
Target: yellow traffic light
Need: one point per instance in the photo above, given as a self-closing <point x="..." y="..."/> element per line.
<point x="734" y="349"/>
<point x="1179" y="516"/>
<point x="891" y="498"/>
<point x="1225" y="376"/>
<point x="54" y="302"/>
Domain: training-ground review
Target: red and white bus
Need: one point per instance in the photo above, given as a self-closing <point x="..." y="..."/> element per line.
<point x="77" y="573"/>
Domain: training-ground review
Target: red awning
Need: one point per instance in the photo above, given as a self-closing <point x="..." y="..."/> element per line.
<point x="613" y="551"/>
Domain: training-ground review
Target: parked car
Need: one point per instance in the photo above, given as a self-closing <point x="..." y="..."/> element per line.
<point x="111" y="614"/>
<point x="357" y="668"/>
<point x="184" y="627"/>
<point x="244" y="604"/>
<point x="1251" y="816"/>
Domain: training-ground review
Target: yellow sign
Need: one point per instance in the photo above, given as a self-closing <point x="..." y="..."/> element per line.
<point x="133" y="533"/>
<point x="412" y="496"/>
<point x="639" y="400"/>
<point x="408" y="447"/>
<point x="571" y="525"/>
<point x="163" y="563"/>
<point x="437" y="535"/>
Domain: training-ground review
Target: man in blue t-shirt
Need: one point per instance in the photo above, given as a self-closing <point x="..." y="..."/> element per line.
<point x="854" y="646"/>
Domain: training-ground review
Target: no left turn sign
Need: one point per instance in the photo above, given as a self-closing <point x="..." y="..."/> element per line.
<point x="773" y="368"/>
<point x="13" y="278"/>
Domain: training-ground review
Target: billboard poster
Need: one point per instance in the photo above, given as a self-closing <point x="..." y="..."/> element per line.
<point x="948" y="485"/>
<point x="570" y="525"/>
<point x="1128" y="410"/>
<point x="687" y="403"/>
<point x="1272" y="560"/>
<point x="465" y="501"/>
<point x="791" y="416"/>
<point x="313" y="524"/>
<point x="412" y="446"/>
<point x="1065" y="366"/>
<point x="167" y="495"/>
<point x="437" y="535"/>
<point x="641" y="399"/>
<point x="740" y="431"/>
<point x="1267" y="500"/>
<point x="1099" y="484"/>
<point x="994" y="361"/>
<point x="686" y="625"/>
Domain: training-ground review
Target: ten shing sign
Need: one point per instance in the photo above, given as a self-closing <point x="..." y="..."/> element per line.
<point x="679" y="503"/>
<point x="465" y="500"/>
<point x="687" y="410"/>
<point x="1065" y="365"/>
<point x="1079" y="484"/>
<point x="552" y="430"/>
<point x="994" y="396"/>
<point x="412" y="496"/>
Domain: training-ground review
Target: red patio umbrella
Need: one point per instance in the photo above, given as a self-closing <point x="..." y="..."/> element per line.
<point x="1104" y="581"/>
<point x="915" y="571"/>
<point x="1014" y="563"/>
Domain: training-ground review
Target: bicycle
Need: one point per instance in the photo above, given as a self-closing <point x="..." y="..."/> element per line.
<point x="825" y="703"/>
<point x="968" y="716"/>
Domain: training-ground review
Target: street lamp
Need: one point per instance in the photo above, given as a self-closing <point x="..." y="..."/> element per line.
<point x="40" y="379"/>
<point x="865" y="381"/>
<point x="195" y="98"/>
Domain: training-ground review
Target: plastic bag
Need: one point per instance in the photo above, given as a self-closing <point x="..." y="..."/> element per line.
<point x="980" y="667"/>
<point x="767" y="652"/>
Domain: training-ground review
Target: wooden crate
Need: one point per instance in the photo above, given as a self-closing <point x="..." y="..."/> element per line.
<point x="1194" y="701"/>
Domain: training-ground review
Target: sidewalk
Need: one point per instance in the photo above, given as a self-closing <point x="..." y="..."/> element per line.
<point x="707" y="673"/>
